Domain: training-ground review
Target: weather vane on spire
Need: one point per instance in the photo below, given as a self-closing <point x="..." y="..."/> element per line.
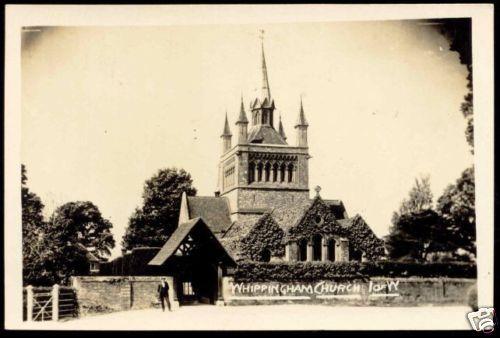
<point x="262" y="35"/>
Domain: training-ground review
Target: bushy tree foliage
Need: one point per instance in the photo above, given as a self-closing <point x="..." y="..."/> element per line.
<point x="415" y="235"/>
<point x="457" y="207"/>
<point x="419" y="198"/>
<point x="155" y="221"/>
<point x="74" y="229"/>
<point x="459" y="34"/>
<point x="34" y="246"/>
<point x="417" y="230"/>
<point x="56" y="249"/>
<point x="81" y="222"/>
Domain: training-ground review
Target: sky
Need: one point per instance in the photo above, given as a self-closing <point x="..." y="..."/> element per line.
<point x="104" y="108"/>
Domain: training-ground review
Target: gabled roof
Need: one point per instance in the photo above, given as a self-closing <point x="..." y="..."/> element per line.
<point x="178" y="236"/>
<point x="214" y="211"/>
<point x="337" y="207"/>
<point x="264" y="134"/>
<point x="173" y="242"/>
<point x="90" y="256"/>
<point x="289" y="216"/>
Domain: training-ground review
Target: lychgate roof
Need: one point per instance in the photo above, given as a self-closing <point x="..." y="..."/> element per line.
<point x="178" y="237"/>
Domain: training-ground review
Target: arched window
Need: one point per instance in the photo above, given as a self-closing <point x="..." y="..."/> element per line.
<point x="275" y="172"/>
<point x="259" y="172"/>
<point x="290" y="172"/>
<point x="354" y="254"/>
<point x="282" y="172"/>
<point x="331" y="249"/>
<point x="268" y="171"/>
<point x="251" y="172"/>
<point x="302" y="250"/>
<point x="265" y="119"/>
<point x="265" y="255"/>
<point x="316" y="247"/>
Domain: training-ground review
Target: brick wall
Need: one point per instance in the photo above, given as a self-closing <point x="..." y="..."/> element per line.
<point x="97" y="294"/>
<point x="375" y="292"/>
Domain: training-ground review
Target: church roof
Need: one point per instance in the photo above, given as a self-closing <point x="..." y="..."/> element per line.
<point x="289" y="216"/>
<point x="338" y="208"/>
<point x="264" y="134"/>
<point x="214" y="210"/>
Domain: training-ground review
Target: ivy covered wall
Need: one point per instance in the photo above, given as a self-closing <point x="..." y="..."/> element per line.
<point x="319" y="219"/>
<point x="264" y="240"/>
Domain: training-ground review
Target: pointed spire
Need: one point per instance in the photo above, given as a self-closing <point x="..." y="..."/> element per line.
<point x="301" y="121"/>
<point x="243" y="116"/>
<point x="226" y="131"/>
<point x="266" y="91"/>
<point x="281" y="130"/>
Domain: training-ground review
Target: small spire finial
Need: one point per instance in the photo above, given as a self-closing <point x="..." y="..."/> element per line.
<point x="301" y="121"/>
<point x="317" y="189"/>
<point x="281" y="130"/>
<point x="242" y="118"/>
<point x="226" y="131"/>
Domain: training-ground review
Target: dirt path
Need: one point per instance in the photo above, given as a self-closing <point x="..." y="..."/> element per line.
<point x="284" y="317"/>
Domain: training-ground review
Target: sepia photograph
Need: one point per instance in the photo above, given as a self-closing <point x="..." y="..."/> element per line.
<point x="249" y="167"/>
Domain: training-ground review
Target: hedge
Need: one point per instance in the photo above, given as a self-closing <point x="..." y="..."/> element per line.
<point x="312" y="271"/>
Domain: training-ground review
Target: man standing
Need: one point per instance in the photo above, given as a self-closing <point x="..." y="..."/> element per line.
<point x="163" y="294"/>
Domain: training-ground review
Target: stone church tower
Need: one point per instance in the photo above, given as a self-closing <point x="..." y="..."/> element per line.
<point x="261" y="172"/>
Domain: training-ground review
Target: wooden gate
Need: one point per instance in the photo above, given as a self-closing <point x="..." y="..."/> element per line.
<point x="49" y="303"/>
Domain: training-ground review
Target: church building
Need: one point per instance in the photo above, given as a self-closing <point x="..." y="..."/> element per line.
<point x="262" y="209"/>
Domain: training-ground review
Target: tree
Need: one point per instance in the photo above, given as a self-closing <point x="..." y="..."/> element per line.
<point x="416" y="235"/>
<point x="155" y="221"/>
<point x="417" y="230"/>
<point x="74" y="229"/>
<point x="32" y="208"/>
<point x="457" y="207"/>
<point x="459" y="34"/>
<point x="32" y="234"/>
<point x="419" y="198"/>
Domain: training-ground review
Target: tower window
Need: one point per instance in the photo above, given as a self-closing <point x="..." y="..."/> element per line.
<point x="229" y="177"/>
<point x="268" y="171"/>
<point x="290" y="172"/>
<point x="283" y="172"/>
<point x="275" y="172"/>
<point x="259" y="172"/>
<point x="251" y="172"/>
